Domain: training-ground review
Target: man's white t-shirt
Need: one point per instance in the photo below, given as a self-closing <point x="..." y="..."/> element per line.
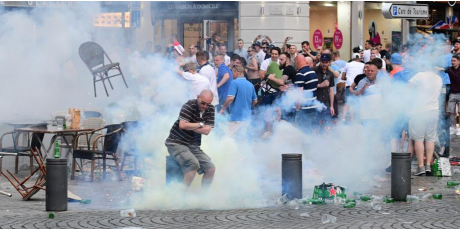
<point x="198" y="83"/>
<point x="260" y="56"/>
<point x="227" y="59"/>
<point x="265" y="64"/>
<point x="367" y="55"/>
<point x="428" y="87"/>
<point x="353" y="69"/>
<point x="209" y="72"/>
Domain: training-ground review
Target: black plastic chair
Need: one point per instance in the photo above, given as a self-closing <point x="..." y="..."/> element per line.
<point x="18" y="150"/>
<point x="109" y="148"/>
<point x="129" y="150"/>
<point x="92" y="55"/>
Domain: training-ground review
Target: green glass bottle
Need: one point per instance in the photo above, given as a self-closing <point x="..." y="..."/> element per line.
<point x="51" y="215"/>
<point x="389" y="200"/>
<point x="365" y="198"/>
<point x="452" y="184"/>
<point x="56" y="149"/>
<point x="437" y="196"/>
<point x="350" y="205"/>
<point x="350" y="200"/>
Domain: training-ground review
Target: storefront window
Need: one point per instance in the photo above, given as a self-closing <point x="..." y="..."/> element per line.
<point x="170" y="27"/>
<point x="192" y="33"/>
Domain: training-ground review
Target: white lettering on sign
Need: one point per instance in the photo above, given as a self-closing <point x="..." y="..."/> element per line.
<point x="192" y="6"/>
<point x="405" y="11"/>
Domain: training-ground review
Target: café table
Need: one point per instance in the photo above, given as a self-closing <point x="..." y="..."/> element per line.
<point x="56" y="132"/>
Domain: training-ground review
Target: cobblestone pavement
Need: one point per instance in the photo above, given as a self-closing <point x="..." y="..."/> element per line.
<point x="105" y="212"/>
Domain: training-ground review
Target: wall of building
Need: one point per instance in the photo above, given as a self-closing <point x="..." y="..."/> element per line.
<point x="145" y="32"/>
<point x="384" y="26"/>
<point x="324" y="20"/>
<point x="276" y="19"/>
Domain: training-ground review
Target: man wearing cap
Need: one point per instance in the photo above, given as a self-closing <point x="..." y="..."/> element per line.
<point x="456" y="49"/>
<point x="325" y="89"/>
<point x="260" y="54"/>
<point x="398" y="71"/>
<point x="401" y="123"/>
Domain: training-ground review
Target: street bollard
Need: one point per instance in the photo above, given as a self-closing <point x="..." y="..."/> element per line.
<point x="56" y="184"/>
<point x="291" y="173"/>
<point x="400" y="176"/>
<point x="173" y="171"/>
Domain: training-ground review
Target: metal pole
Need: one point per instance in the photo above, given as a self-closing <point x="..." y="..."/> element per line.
<point x="412" y="26"/>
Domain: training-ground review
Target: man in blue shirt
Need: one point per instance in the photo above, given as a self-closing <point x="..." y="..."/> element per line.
<point x="224" y="79"/>
<point x="241" y="98"/>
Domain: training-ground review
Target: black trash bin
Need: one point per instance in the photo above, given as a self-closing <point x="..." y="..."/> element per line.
<point x="292" y="175"/>
<point x="56" y="184"/>
<point x="400" y="175"/>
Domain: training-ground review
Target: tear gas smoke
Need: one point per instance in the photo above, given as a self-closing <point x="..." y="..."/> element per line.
<point x="43" y="73"/>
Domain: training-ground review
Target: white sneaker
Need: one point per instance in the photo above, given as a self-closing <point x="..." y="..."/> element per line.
<point x="457" y="132"/>
<point x="266" y="135"/>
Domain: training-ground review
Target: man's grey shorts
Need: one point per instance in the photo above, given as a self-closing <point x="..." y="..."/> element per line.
<point x="423" y="126"/>
<point x="454" y="99"/>
<point x="190" y="157"/>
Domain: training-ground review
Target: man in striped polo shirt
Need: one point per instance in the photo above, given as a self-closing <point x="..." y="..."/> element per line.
<point x="306" y="81"/>
<point x="195" y="119"/>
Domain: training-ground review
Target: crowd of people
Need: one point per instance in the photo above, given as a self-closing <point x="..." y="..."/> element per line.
<point x="264" y="83"/>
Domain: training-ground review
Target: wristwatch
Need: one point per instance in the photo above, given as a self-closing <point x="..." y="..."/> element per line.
<point x="201" y="125"/>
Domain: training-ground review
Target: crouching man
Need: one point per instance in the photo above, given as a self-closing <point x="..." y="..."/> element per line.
<point x="195" y="119"/>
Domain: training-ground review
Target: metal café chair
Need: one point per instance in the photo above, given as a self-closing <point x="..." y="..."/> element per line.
<point x="17" y="150"/>
<point x="109" y="148"/>
<point x="92" y="55"/>
<point x="23" y="186"/>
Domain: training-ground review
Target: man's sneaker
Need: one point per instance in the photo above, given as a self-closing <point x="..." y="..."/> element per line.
<point x="266" y="135"/>
<point x="428" y="170"/>
<point x="420" y="171"/>
<point x="457" y="132"/>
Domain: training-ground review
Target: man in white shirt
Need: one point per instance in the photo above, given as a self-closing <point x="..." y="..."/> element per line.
<point x="266" y="63"/>
<point x="192" y="54"/>
<point x="198" y="82"/>
<point x="351" y="70"/>
<point x="206" y="69"/>
<point x="423" y="120"/>
<point x="367" y="52"/>
<point x="260" y="54"/>
<point x="223" y="51"/>
<point x="241" y="51"/>
<point x="376" y="54"/>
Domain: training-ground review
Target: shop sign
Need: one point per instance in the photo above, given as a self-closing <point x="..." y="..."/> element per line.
<point x="317" y="39"/>
<point x="405" y="11"/>
<point x="338" y="39"/>
<point x="193" y="6"/>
